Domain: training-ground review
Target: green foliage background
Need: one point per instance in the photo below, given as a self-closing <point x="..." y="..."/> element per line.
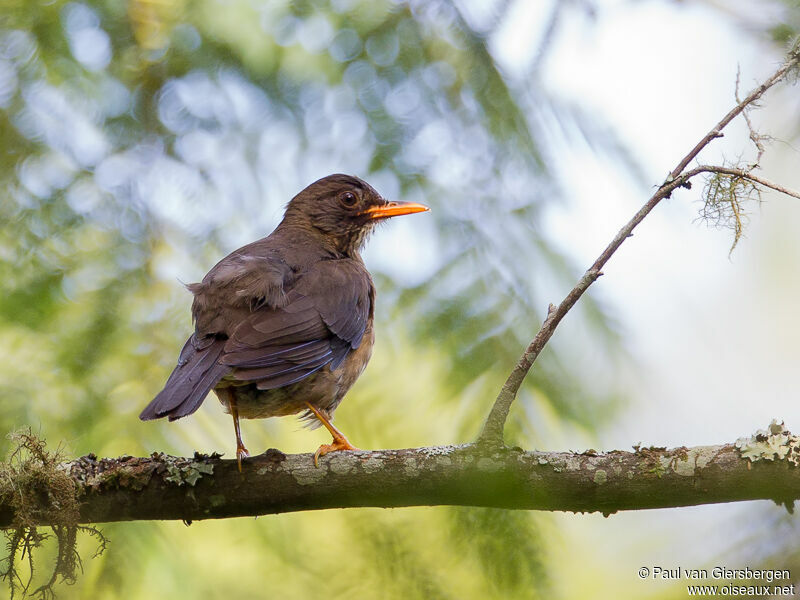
<point x="141" y="140"/>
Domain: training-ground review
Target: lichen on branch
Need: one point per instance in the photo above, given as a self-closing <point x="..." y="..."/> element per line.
<point x="725" y="201"/>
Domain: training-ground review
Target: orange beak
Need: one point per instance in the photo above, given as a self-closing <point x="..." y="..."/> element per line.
<point x="394" y="209"/>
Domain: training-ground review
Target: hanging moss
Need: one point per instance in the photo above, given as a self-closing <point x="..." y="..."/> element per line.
<point x="39" y="491"/>
<point x="725" y="200"/>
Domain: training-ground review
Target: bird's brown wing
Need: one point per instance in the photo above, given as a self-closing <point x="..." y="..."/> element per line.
<point x="324" y="318"/>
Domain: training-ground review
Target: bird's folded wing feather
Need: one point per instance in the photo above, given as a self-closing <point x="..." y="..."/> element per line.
<point x="324" y="318"/>
<point x="197" y="371"/>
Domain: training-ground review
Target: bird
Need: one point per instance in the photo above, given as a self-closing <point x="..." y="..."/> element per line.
<point x="284" y="325"/>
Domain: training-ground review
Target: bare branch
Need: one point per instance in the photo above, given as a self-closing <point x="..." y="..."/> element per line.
<point x="793" y="59"/>
<point x="492" y="433"/>
<point x="755" y="137"/>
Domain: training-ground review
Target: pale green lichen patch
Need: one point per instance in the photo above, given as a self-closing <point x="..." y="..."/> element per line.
<point x="600" y="477"/>
<point x="438" y="450"/>
<point x="704" y="455"/>
<point x="411" y="468"/>
<point x="308" y="474"/>
<point x="693" y="459"/>
<point x="558" y="462"/>
<point x="774" y="443"/>
<point x="685" y="468"/>
<point x="372" y="465"/>
<point x="573" y="463"/>
<point x="181" y="471"/>
<point x="341" y="465"/>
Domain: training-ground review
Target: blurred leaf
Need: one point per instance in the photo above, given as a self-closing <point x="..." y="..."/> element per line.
<point x="508" y="547"/>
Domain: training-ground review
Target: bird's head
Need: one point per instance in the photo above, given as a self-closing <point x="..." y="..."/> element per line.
<point x="343" y="210"/>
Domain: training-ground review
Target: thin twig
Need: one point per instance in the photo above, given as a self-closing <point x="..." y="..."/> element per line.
<point x="742" y="173"/>
<point x="791" y="62"/>
<point x="755" y="137"/>
<point x="492" y="433"/>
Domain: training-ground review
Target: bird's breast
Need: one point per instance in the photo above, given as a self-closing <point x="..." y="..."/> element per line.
<point x="355" y="363"/>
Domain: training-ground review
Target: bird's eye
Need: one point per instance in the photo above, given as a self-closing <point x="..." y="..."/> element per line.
<point x="348" y="199"/>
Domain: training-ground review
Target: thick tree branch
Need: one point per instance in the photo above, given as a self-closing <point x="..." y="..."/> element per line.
<point x="492" y="433"/>
<point x="164" y="487"/>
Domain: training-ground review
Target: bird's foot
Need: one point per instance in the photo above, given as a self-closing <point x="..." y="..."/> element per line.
<point x="339" y="443"/>
<point x="241" y="452"/>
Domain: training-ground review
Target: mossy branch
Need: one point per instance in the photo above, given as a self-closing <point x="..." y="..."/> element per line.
<point x="96" y="490"/>
<point x="762" y="466"/>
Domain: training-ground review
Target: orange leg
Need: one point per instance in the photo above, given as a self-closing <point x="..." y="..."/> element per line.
<point x="241" y="451"/>
<point x="339" y="441"/>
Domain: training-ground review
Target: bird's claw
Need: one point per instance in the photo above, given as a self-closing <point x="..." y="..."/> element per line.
<point x="241" y="452"/>
<point x="337" y="445"/>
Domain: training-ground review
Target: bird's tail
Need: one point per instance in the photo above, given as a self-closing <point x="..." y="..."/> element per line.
<point x="197" y="372"/>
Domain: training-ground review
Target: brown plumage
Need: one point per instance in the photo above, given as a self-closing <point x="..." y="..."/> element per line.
<point x="284" y="324"/>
